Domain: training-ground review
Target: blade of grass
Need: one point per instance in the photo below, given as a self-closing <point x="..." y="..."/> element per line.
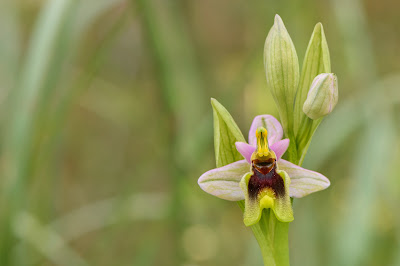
<point x="66" y="36"/>
<point x="354" y="240"/>
<point x="26" y="103"/>
<point x="53" y="122"/>
<point x="181" y="89"/>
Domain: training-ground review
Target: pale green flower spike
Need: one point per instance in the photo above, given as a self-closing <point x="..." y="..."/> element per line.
<point x="265" y="187"/>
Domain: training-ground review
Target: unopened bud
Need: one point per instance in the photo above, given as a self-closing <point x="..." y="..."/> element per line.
<point x="322" y="96"/>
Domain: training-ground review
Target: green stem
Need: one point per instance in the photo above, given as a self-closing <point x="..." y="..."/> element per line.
<point x="292" y="150"/>
<point x="305" y="134"/>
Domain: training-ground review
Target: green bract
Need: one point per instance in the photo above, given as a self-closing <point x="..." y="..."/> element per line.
<point x="282" y="70"/>
<point x="226" y="133"/>
<point x="316" y="61"/>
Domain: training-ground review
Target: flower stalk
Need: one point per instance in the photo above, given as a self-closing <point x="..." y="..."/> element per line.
<point x="254" y="173"/>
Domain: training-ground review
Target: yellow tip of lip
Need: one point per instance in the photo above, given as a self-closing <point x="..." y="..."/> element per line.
<point x="261" y="132"/>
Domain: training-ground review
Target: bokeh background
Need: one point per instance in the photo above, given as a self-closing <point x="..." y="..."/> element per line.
<point x="106" y="125"/>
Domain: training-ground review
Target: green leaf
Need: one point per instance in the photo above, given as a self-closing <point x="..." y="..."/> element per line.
<point x="226" y="133"/>
<point x="282" y="71"/>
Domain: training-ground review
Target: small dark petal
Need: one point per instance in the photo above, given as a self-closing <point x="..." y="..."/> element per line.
<point x="265" y="176"/>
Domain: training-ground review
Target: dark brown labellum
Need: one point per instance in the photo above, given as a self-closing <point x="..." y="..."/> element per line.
<point x="265" y="176"/>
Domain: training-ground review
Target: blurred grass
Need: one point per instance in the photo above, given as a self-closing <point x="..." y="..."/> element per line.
<point x="26" y="103"/>
<point x="106" y="126"/>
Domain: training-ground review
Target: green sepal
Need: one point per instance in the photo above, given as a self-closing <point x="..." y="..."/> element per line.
<point x="280" y="205"/>
<point x="226" y="133"/>
<point x="282" y="71"/>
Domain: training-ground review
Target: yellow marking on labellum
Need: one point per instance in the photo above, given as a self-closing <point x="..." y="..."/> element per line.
<point x="262" y="142"/>
<point x="267" y="199"/>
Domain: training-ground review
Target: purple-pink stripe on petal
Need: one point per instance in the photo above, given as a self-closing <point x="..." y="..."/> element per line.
<point x="280" y="147"/>
<point x="246" y="150"/>
<point x="274" y="128"/>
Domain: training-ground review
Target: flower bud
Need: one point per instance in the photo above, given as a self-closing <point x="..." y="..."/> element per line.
<point x="322" y="96"/>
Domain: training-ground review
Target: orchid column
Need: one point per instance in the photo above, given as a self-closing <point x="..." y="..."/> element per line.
<point x="254" y="173"/>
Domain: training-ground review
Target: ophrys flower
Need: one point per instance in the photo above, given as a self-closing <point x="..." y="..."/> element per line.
<point x="271" y="180"/>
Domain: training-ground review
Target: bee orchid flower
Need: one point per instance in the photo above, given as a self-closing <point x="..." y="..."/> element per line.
<point x="263" y="179"/>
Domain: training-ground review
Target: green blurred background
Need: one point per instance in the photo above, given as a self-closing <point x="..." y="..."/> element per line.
<point x="106" y="125"/>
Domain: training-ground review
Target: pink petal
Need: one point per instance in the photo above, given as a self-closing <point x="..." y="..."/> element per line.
<point x="279" y="147"/>
<point x="274" y="128"/>
<point x="303" y="181"/>
<point x="223" y="182"/>
<point x="246" y="150"/>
